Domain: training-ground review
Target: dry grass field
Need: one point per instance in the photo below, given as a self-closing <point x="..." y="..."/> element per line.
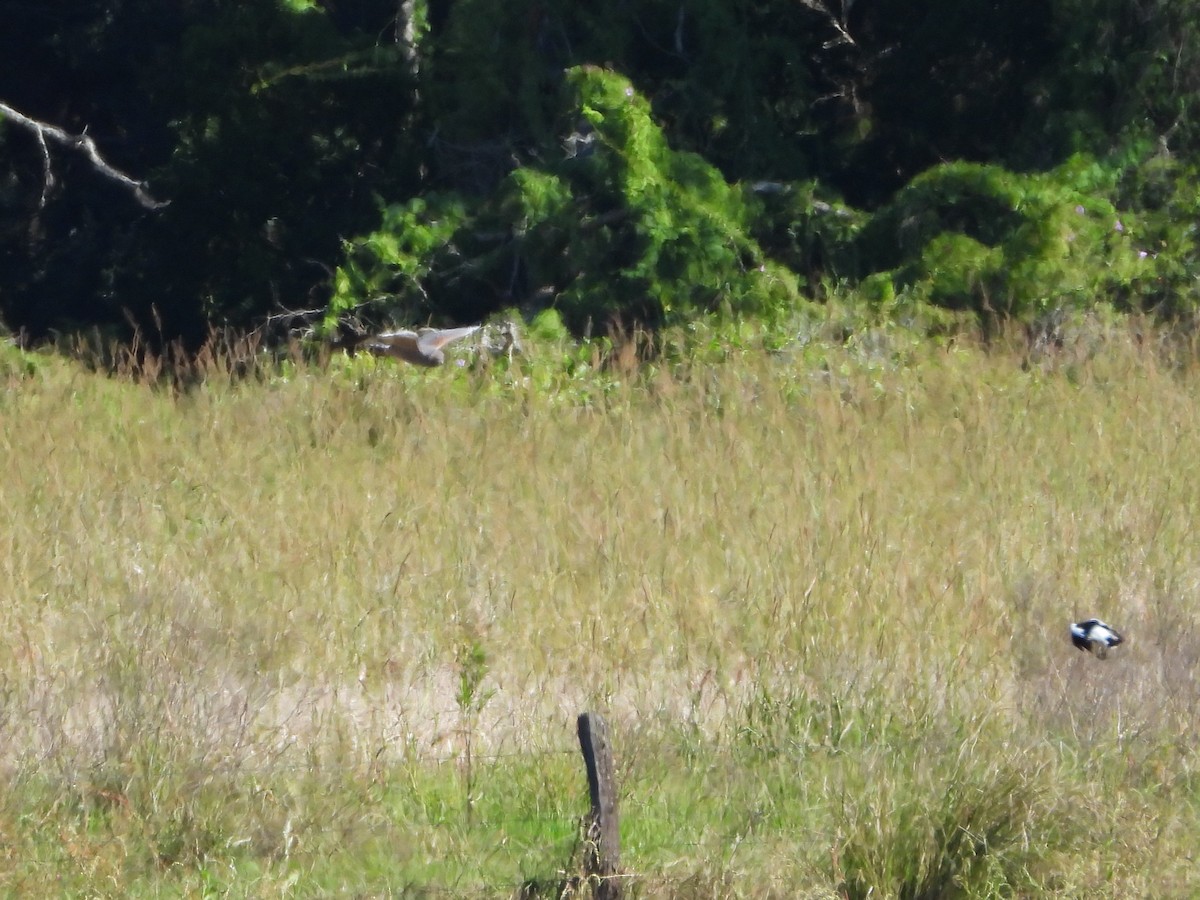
<point x="326" y="631"/>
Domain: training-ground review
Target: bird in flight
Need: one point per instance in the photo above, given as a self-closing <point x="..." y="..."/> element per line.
<point x="422" y="348"/>
<point x="1094" y="635"/>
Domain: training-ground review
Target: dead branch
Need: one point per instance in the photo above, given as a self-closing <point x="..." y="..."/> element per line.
<point x="84" y="144"/>
<point x="840" y="24"/>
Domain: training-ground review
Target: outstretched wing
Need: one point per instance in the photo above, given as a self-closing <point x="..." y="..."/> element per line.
<point x="430" y="341"/>
<point x="421" y="348"/>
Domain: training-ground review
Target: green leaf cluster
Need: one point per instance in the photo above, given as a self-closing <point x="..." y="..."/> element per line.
<point x="620" y="229"/>
<point x="982" y="238"/>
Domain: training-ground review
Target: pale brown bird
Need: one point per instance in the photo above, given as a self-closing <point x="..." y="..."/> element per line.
<point x="423" y="348"/>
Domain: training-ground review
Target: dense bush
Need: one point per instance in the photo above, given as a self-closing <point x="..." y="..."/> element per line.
<point x="765" y="149"/>
<point x="967" y="236"/>
<point x="621" y="228"/>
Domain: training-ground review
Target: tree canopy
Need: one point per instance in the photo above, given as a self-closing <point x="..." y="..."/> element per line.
<point x="444" y="159"/>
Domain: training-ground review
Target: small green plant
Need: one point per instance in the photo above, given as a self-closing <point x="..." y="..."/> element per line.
<point x="471" y="698"/>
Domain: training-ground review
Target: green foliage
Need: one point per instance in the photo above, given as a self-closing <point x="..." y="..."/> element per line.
<point x="1125" y="74"/>
<point x="385" y="270"/>
<point x="17" y="362"/>
<point x="489" y="81"/>
<point x="472" y="669"/>
<point x="959" y="271"/>
<point x="736" y="82"/>
<point x="626" y="229"/>
<point x="805" y="227"/>
<point x="681" y="242"/>
<point x="964" y="236"/>
<point x="710" y="153"/>
<point x="547" y="326"/>
<point x="1159" y="192"/>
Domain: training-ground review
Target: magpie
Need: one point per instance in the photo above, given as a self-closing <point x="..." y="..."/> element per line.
<point x="1094" y="635"/>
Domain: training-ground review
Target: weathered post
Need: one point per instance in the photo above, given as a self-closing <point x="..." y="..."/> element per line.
<point x="602" y="853"/>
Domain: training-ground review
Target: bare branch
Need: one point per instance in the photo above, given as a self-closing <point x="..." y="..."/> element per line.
<point x="840" y="25"/>
<point x="406" y="35"/>
<point x="82" y="143"/>
<point x="47" y="170"/>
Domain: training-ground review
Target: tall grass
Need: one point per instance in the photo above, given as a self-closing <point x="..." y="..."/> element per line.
<point x="326" y="630"/>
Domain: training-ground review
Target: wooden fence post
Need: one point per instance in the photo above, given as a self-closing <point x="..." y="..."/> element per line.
<point x="602" y="855"/>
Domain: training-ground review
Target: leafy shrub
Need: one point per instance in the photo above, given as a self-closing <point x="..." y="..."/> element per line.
<point x="1159" y="192"/>
<point x="805" y="228"/>
<point x="979" y="237"/>
<point x="623" y="229"/>
<point x="387" y="266"/>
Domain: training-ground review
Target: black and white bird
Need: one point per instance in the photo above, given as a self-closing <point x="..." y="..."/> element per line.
<point x="1094" y="635"/>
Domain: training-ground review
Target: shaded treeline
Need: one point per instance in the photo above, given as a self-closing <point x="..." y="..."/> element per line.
<point x="277" y="129"/>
